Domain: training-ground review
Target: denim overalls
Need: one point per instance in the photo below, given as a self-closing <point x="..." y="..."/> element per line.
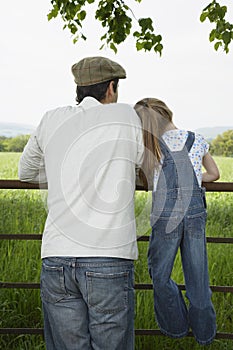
<point x="178" y="220"/>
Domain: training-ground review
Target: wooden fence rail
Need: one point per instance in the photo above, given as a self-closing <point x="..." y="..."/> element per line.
<point x="16" y="184"/>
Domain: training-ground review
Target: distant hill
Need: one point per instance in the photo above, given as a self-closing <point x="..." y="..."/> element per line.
<point x="211" y="132"/>
<point x="14" y="129"/>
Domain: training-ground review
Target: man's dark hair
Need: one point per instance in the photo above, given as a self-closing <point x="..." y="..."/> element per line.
<point x="98" y="91"/>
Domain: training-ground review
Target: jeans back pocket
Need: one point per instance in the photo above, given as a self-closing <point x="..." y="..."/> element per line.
<point x="52" y="283"/>
<point x="108" y="293"/>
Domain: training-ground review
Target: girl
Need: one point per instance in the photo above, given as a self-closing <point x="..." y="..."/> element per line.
<point x="172" y="165"/>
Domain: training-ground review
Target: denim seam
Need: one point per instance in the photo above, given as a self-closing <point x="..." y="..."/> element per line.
<point x="180" y="335"/>
<point x="208" y="341"/>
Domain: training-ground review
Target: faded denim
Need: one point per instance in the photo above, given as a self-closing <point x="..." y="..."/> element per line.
<point x="88" y="303"/>
<point x="178" y="220"/>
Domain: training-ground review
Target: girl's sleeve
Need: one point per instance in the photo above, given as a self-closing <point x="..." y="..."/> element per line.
<point x="205" y="145"/>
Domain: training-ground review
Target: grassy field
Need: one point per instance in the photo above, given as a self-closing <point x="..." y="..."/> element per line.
<point x="23" y="211"/>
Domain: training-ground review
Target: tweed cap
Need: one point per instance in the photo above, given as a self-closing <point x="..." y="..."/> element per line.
<point x="95" y="70"/>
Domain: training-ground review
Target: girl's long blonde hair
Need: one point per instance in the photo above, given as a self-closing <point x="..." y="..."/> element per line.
<point x="155" y="117"/>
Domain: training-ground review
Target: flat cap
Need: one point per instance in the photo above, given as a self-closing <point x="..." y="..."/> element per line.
<point x="95" y="70"/>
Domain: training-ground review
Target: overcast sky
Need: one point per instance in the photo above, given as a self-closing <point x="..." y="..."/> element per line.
<point x="191" y="77"/>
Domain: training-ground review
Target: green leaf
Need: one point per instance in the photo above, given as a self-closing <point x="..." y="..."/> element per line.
<point x="53" y="13"/>
<point x="158" y="48"/>
<point x="220" y="26"/>
<point x="126" y="7"/>
<point x="82" y="15"/>
<point x="139" y="46"/>
<point x="203" y="16"/>
<point x="103" y="37"/>
<point x="221" y="11"/>
<point x="147" y="46"/>
<point x="217" y="45"/>
<point x="113" y="47"/>
<point x="145" y="23"/>
<point x="212" y="35"/>
<point x="136" y="34"/>
<point x="226" y="36"/>
<point x="72" y="28"/>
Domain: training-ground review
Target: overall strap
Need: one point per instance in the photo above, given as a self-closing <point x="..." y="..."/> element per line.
<point x="187" y="147"/>
<point x="164" y="148"/>
<point x="190" y="140"/>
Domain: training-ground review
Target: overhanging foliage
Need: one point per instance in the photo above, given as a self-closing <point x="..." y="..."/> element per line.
<point x="117" y="18"/>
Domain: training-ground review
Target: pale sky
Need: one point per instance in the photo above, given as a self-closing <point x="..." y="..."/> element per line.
<point x="193" y="79"/>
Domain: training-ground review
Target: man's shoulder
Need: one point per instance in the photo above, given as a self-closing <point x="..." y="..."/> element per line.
<point x="121" y="109"/>
<point x="120" y="105"/>
<point x="61" y="109"/>
<point x="53" y="118"/>
<point x="59" y="113"/>
<point x="123" y="113"/>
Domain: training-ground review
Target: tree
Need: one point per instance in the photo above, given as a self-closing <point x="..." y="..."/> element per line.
<point x="16" y="144"/>
<point x="117" y="17"/>
<point x="3" y="143"/>
<point x="222" y="145"/>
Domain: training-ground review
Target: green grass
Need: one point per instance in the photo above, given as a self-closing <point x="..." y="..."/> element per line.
<point x="23" y="211"/>
<point x="8" y="165"/>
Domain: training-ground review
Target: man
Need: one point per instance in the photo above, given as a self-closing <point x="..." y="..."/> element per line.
<point x="87" y="154"/>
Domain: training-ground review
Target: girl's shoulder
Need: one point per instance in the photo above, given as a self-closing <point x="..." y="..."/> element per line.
<point x="199" y="136"/>
<point x="200" y="142"/>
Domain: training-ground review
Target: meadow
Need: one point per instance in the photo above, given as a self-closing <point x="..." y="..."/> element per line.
<point x="24" y="211"/>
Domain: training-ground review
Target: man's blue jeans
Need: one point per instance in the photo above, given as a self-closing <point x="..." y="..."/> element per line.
<point x="88" y="303"/>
